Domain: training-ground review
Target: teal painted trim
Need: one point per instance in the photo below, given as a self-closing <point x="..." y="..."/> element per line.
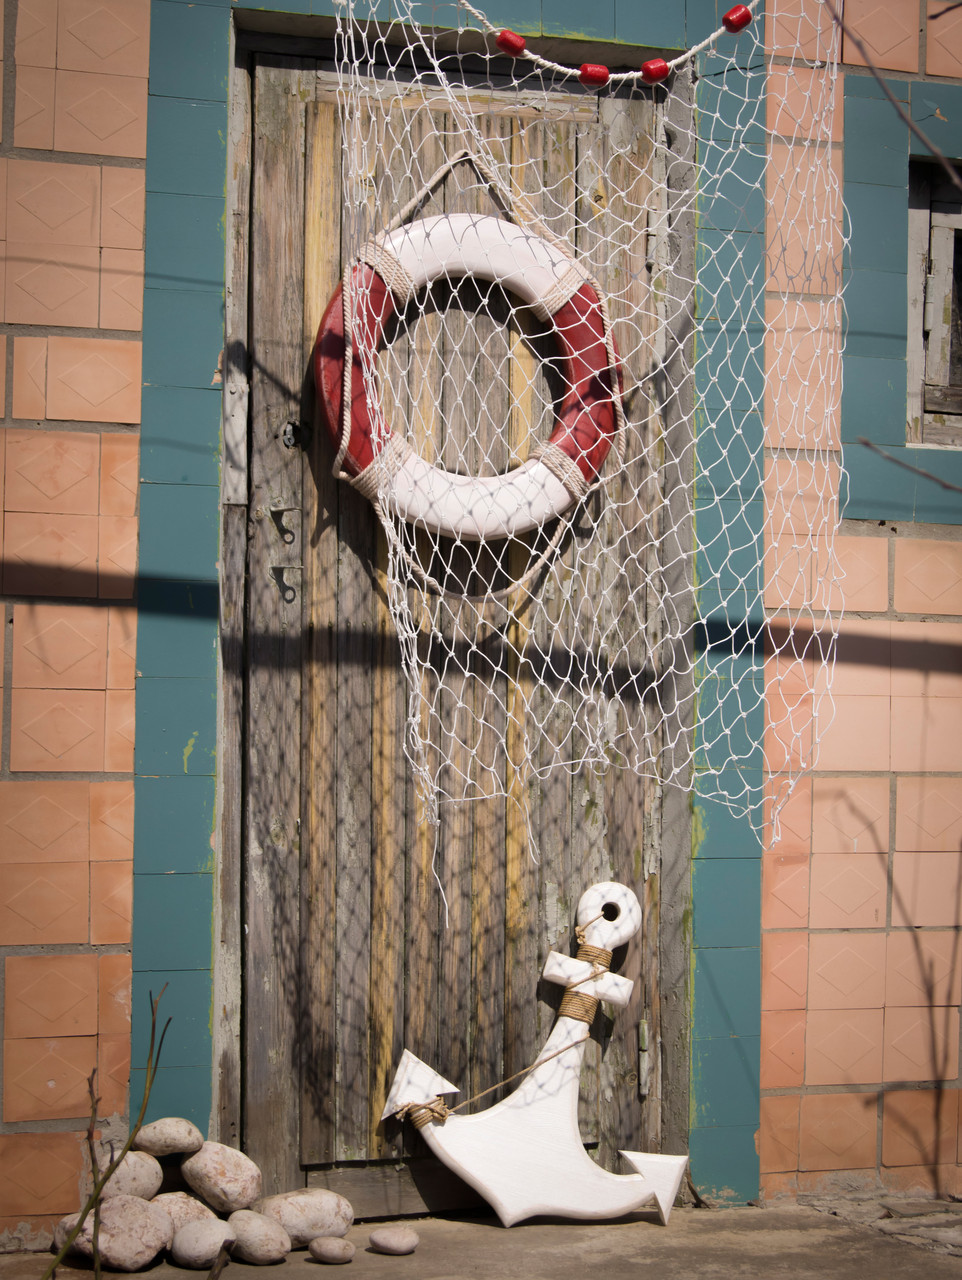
<point x="185" y="248"/>
<point x="201" y="171"/>
<point x="728" y="445"/>
<point x="726" y="980"/>
<point x="179" y="532"/>
<point x="720" y="833"/>
<point x="724" y="1163"/>
<point x="187" y="1043"/>
<point x="877" y="149"/>
<point x="727" y="896"/>
<point x="180" y="737"/>
<point x="582" y="21"/>
<point x="727" y="1069"/>
<point x="177" y="635"/>
<point x="180" y="435"/>
<point x="183" y="338"/>
<point x="177" y="1091"/>
<point x="172" y="919"/>
<point x="174" y="825"/>
<point x="181" y="40"/>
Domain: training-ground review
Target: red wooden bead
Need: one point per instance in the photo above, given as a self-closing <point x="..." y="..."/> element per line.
<point x="592" y="75"/>
<point x="737" y="18"/>
<point x="510" y="42"/>
<point x="655" y="70"/>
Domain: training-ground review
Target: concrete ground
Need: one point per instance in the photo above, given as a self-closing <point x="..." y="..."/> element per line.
<point x="794" y="1242"/>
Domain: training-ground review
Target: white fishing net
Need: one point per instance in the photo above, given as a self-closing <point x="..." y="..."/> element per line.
<point x="593" y="394"/>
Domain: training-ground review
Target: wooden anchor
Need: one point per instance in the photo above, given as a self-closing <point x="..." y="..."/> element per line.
<point x="525" y="1154"/>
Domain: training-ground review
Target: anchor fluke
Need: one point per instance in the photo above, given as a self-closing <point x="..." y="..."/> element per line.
<point x="662" y="1174"/>
<point x="414" y="1082"/>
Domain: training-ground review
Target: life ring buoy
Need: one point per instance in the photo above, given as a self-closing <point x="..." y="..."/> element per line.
<point x="387" y="275"/>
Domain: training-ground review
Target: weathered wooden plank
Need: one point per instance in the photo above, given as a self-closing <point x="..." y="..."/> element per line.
<point x="274" y="627"/>
<point x="318" y="995"/>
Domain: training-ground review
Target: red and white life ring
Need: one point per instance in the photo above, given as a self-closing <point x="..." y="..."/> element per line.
<point x="387" y="275"/>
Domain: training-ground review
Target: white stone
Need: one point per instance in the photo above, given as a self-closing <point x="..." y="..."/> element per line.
<point x="63" y="1229"/>
<point x="258" y="1238"/>
<point x="223" y="1176"/>
<point x="308" y="1213"/>
<point x="395" y="1240"/>
<point x="138" y="1174"/>
<point x="183" y="1208"/>
<point x="132" y="1233"/>
<point x="197" y="1244"/>
<point x="169" y="1136"/>
<point x="332" y="1249"/>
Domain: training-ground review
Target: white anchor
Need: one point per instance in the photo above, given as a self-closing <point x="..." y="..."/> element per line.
<point x="525" y="1154"/>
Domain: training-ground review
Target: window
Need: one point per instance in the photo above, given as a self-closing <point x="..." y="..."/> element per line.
<point x="935" y="321"/>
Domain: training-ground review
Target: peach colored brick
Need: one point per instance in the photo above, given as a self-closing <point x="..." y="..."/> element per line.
<point x="101" y="114"/>
<point x="103" y="35"/>
<point x="922" y="1180"/>
<point x="121" y="647"/>
<point x="850" y="815"/>
<point x="923" y="967"/>
<point x="782" y="1049"/>
<point x="800" y="28"/>
<point x="30" y="377"/>
<point x="837" y="1131"/>
<point x="93" y="379"/>
<point x="36" y="34"/>
<point x="44" y="821"/>
<point x="122" y="217"/>
<point x="789" y="564"/>
<point x="888" y="31"/>
<point x="943" y="54"/>
<point x="800" y="494"/>
<point x="848" y="892"/>
<point x="800" y="104"/>
<point x="927" y="659"/>
<point x="119" y="732"/>
<point x="854" y="734"/>
<point x="40" y="1173"/>
<point x="50" y="996"/>
<point x="113" y="1074"/>
<point x="921" y="1044"/>
<point x="44" y="904"/>
<point x="114" y="997"/>
<point x="794" y="819"/>
<point x="928" y="814"/>
<point x="794" y="222"/>
<point x="53" y="203"/>
<point x="59" y="647"/>
<point x="863" y="659"/>
<point x="784" y="970"/>
<point x="121" y="289"/>
<point x="47" y="1079"/>
<point x="111" y="902"/>
<point x="925" y="734"/>
<point x="846" y="971"/>
<point x="927" y="890"/>
<point x="118" y="556"/>
<point x="119" y="455"/>
<point x="920" y="1126"/>
<point x="863" y="566"/>
<point x="928" y="576"/>
<point x="841" y="1182"/>
<point x="785" y="880"/>
<point x="111" y="820"/>
<point x="57" y="730"/>
<point x="843" y="1046"/>
<point x="802" y="346"/>
<point x="55" y="471"/>
<point x="778" y="1134"/>
<point x="3" y="369"/>
<point x="52" y="284"/>
<point x="49" y="554"/>
<point x="788" y="726"/>
<point x="33" y="115"/>
<point x="4" y="170"/>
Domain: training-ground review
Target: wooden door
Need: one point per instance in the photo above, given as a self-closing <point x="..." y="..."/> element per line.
<point x="349" y="952"/>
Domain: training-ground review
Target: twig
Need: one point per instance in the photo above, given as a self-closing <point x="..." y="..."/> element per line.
<point x="219" y="1262"/>
<point x="101" y="1180"/>
<point x="908" y="466"/>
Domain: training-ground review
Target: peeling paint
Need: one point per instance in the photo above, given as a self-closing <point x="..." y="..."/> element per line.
<point x="189" y="748"/>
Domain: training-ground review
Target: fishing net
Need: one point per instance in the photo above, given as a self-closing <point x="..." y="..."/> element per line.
<point x="592" y="392"/>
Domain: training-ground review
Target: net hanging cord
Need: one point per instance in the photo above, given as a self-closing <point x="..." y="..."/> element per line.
<point x="394" y="449"/>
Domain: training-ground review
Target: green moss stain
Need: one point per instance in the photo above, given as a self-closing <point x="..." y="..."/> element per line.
<point x="189" y="748"/>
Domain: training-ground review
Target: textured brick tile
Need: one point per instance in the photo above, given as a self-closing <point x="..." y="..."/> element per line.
<point x="111" y="820"/>
<point x="53" y="203"/>
<point x="928" y="576"/>
<point x="59" y="646"/>
<point x="47" y="1079"/>
<point x="113" y="1074"/>
<point x="794" y="99"/>
<point x="122" y="216"/>
<point x="784" y="970"/>
<point x="44" y="821"/>
<point x="114" y="1005"/>
<point x="36" y="33"/>
<point x="838" y="1131"/>
<point x="927" y="659"/>
<point x="920" y="1126"/>
<point x="57" y="730"/>
<point x="943" y="55"/>
<point x="40" y="1173"/>
<point x="33" y="116"/>
<point x="44" y="904"/>
<point x="928" y="814"/>
<point x="104" y="36"/>
<point x="119" y="732"/>
<point x="49" y="554"/>
<point x="778" y="1134"/>
<point x="923" y="967"/>
<point x="119" y="454"/>
<point x="854" y="734"/>
<point x="101" y="114"/>
<point x="785" y="883"/>
<point x="850" y="815"/>
<point x="111" y="902"/>
<point x="93" y="379"/>
<point x="921" y="1044"/>
<point x="30" y="377"/>
<point x="52" y="284"/>
<point x="50" y="996"/>
<point x="889" y="31"/>
<point x="925" y="734"/>
<point x="846" y="971"/>
<point x="848" y="892"/>
<point x="118" y="556"/>
<point x="803" y="335"/>
<point x="927" y="890"/>
<point x="122" y="289"/>
<point x="121" y="647"/>
<point x="54" y="471"/>
<point x="782" y="1048"/>
<point x="843" y="1046"/>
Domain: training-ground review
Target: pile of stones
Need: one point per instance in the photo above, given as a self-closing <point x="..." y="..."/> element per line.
<point x="221" y="1207"/>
